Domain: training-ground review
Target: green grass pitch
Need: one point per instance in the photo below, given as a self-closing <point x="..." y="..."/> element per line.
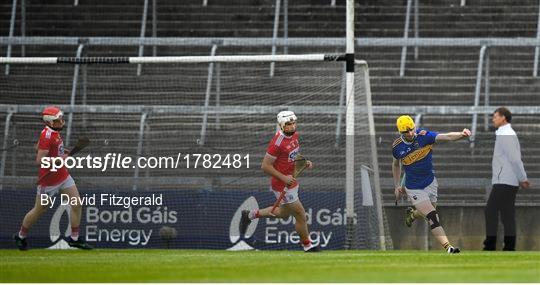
<point x="104" y="265"/>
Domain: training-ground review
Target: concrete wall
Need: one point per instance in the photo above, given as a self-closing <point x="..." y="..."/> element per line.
<point x="465" y="227"/>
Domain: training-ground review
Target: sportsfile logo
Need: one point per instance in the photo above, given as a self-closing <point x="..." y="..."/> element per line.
<point x="174" y="161"/>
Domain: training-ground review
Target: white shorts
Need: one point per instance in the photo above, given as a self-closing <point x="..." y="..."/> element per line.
<point x="53" y="190"/>
<point x="427" y="194"/>
<point x="291" y="195"/>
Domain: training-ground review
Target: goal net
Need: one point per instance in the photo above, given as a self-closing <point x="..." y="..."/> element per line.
<point x="199" y="127"/>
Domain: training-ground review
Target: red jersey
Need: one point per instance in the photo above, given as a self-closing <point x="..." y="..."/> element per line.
<point x="50" y="140"/>
<point x="284" y="149"/>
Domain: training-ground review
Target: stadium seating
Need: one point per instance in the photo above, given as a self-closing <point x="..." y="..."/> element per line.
<point x="307" y="18"/>
<point x="440" y="76"/>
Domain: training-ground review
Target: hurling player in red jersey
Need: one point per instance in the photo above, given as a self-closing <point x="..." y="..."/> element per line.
<point x="52" y="182"/>
<point x="279" y="164"/>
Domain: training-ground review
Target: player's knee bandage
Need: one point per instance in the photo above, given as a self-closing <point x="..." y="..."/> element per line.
<point x="433" y="217"/>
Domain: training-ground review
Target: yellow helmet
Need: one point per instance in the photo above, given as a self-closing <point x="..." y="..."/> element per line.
<point x="405" y="123"/>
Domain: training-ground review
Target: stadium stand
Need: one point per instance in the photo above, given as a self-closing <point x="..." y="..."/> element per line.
<point x="307" y="18"/>
<point x="440" y="76"/>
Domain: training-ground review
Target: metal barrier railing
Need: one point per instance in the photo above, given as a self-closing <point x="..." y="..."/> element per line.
<point x="275" y="33"/>
<point x="73" y="93"/>
<point x="537" y="49"/>
<point x="486" y="91"/>
<point x="416" y="26"/>
<point x="275" y="29"/>
<point x="268" y="42"/>
<point x="215" y="43"/>
<point x="478" y="88"/>
<point x="84" y="90"/>
<point x="285" y="24"/>
<point x="418" y="120"/>
<point x="218" y="94"/>
<point x="207" y="96"/>
<point x="23" y="25"/>
<point x="265" y="109"/>
<point x="154" y="25"/>
<point x="142" y="124"/>
<point x="4" y="144"/>
<point x="406" y="34"/>
<point x="142" y="33"/>
<point x="11" y="31"/>
<point x="145" y="111"/>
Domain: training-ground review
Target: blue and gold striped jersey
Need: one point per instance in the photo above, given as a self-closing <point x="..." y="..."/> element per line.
<point x="416" y="158"/>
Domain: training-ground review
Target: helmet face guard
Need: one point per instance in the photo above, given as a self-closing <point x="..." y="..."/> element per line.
<point x="285" y="117"/>
<point x="50" y="114"/>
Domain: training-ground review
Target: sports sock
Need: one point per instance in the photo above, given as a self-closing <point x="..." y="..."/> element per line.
<point x="447" y="245"/>
<point x="23" y="232"/>
<point x="74" y="233"/>
<point x="417" y="215"/>
<point x="306" y="244"/>
<point x="253" y="214"/>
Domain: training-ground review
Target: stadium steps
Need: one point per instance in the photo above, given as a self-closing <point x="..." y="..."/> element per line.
<point x="121" y="131"/>
<point x="441" y="76"/>
<point x="255" y="18"/>
<point x="377" y="81"/>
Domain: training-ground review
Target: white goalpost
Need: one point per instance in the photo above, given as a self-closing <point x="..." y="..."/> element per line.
<point x="350" y="128"/>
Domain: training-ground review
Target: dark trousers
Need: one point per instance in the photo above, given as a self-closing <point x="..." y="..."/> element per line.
<point x="501" y="200"/>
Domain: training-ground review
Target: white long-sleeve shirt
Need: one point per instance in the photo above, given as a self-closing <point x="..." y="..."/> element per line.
<point x="507" y="166"/>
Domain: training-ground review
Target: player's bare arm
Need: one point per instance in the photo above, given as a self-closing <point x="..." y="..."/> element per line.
<point x="396" y="174"/>
<point x="453" y="136"/>
<point x="41" y="153"/>
<point x="268" y="167"/>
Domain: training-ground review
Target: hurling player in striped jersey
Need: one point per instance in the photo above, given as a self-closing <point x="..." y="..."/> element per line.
<point x="413" y="152"/>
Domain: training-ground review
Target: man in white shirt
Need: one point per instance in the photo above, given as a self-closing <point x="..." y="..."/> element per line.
<point x="508" y="175"/>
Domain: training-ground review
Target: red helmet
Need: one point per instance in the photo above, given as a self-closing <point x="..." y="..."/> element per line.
<point x="51" y="113"/>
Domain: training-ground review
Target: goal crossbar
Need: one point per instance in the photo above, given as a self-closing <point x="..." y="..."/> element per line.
<point x="173" y="59"/>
